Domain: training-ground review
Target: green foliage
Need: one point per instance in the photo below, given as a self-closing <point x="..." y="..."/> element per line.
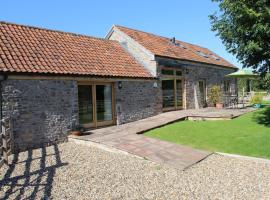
<point x="214" y="95"/>
<point x="246" y="135"/>
<point x="256" y="99"/>
<point x="262" y="84"/>
<point x="266" y="103"/>
<point x="244" y="28"/>
<point x="242" y="83"/>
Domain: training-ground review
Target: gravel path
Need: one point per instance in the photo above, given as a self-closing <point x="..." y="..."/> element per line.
<point x="73" y="171"/>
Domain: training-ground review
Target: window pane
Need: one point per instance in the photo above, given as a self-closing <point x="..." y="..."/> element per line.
<point x="226" y="86"/>
<point x="168" y="93"/>
<point x="85" y="104"/>
<point x="179" y="93"/>
<point x="178" y="73"/>
<point x="202" y="93"/>
<point x="104" y="102"/>
<point x="167" y="72"/>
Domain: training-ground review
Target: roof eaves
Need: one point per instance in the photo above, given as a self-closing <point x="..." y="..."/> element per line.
<point x="75" y="75"/>
<point x="230" y="67"/>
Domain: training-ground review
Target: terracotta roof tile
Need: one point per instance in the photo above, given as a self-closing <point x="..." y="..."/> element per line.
<point x="32" y="49"/>
<point x="162" y="46"/>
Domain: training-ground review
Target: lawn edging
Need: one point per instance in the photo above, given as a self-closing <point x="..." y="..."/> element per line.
<point x="248" y="158"/>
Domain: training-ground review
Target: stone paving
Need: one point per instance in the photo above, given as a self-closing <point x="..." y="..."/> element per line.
<point x="125" y="137"/>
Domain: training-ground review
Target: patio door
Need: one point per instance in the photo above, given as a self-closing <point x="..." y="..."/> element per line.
<point x="202" y="93"/>
<point x="104" y="104"/>
<point x="172" y="94"/>
<point x="168" y="94"/>
<point x="96" y="105"/>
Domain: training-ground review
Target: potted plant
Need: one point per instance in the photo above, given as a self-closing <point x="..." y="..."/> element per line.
<point x="256" y="101"/>
<point x="214" y="96"/>
<point x="76" y="131"/>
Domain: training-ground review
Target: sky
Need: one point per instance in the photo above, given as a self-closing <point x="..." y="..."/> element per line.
<point x="187" y="20"/>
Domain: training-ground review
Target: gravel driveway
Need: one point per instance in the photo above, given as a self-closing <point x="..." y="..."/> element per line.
<point x="76" y="171"/>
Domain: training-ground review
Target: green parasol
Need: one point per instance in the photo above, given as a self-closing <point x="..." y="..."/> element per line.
<point x="243" y="74"/>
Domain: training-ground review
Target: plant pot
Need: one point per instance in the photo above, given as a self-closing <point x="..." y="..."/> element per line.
<point x="76" y="133"/>
<point x="219" y="105"/>
<point x="257" y="105"/>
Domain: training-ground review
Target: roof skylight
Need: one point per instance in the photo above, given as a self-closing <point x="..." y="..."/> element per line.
<point x="202" y="54"/>
<point x="215" y="57"/>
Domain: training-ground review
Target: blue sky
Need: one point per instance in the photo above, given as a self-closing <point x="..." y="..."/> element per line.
<point x="186" y="20"/>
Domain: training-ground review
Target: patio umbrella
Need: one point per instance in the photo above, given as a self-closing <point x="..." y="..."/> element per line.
<point x="243" y="74"/>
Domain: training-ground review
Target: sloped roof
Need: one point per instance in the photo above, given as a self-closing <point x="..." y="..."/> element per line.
<point x="37" y="50"/>
<point x="162" y="46"/>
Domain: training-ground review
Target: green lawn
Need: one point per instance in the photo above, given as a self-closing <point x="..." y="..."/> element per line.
<point x="266" y="102"/>
<point x="246" y="135"/>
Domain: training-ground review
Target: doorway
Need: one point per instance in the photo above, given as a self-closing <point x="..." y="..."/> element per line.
<point x="172" y="89"/>
<point x="172" y="94"/>
<point x="96" y="104"/>
<point x="202" y="93"/>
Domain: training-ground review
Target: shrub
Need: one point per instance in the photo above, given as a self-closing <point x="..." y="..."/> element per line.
<point x="257" y="99"/>
<point x="214" y="95"/>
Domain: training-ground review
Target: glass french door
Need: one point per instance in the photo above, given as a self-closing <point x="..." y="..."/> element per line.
<point x="95" y="104"/>
<point x="202" y="93"/>
<point x="85" y="100"/>
<point x="168" y="93"/>
<point x="179" y="93"/>
<point x="172" y="94"/>
<point x="104" y="107"/>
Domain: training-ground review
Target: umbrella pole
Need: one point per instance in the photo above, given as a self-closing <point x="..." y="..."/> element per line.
<point x="243" y="97"/>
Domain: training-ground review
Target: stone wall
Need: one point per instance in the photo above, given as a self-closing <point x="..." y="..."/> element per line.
<point x="42" y="111"/>
<point x="142" y="55"/>
<point x="137" y="100"/>
<point x="211" y="76"/>
<point x="192" y="73"/>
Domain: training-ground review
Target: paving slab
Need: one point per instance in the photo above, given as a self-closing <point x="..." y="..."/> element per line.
<point x="126" y="138"/>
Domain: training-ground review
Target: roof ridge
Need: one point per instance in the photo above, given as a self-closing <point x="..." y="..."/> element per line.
<point x="141" y="31"/>
<point x="159" y="36"/>
<point x="56" y="31"/>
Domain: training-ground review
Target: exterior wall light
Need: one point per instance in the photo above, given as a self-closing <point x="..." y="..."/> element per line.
<point x="119" y="84"/>
<point x="3" y="77"/>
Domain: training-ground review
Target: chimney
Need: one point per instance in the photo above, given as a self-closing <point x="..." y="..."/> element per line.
<point x="173" y="40"/>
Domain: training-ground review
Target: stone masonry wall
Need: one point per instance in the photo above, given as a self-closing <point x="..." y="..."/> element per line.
<point x="142" y="55"/>
<point x="137" y="100"/>
<point x="211" y="76"/>
<point x="42" y="111"/>
<point x="193" y="72"/>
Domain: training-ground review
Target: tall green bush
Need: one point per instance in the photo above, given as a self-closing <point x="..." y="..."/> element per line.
<point x="214" y="95"/>
<point x="257" y="99"/>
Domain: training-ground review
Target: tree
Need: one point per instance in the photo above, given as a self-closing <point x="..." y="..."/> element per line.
<point x="262" y="83"/>
<point x="244" y="28"/>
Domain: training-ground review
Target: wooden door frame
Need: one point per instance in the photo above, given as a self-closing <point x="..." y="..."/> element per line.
<point x="95" y="123"/>
<point x="204" y="89"/>
<point x="175" y="107"/>
<point x="112" y="121"/>
<point x="92" y="124"/>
